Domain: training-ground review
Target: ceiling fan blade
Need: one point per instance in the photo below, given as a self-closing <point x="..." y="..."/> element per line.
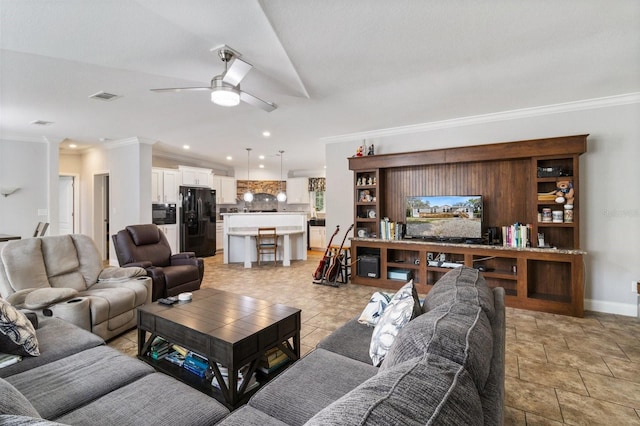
<point x="179" y="89"/>
<point x="252" y="100"/>
<point x="237" y="69"/>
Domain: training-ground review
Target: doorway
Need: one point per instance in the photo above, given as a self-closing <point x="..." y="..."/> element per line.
<point x="101" y="214"/>
<point x="68" y="204"/>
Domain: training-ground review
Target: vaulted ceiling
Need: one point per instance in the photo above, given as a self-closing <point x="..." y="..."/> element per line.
<point x="333" y="67"/>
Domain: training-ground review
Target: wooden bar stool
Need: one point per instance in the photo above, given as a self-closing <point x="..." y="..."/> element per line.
<point x="267" y="243"/>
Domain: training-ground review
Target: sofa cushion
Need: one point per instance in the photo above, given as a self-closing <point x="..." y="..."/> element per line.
<point x="309" y="385"/>
<point x="462" y="285"/>
<point x="42" y="297"/>
<point x="431" y="390"/>
<point x="93" y="373"/>
<point x="249" y="416"/>
<point x="155" y="399"/>
<point x="24" y="265"/>
<point x="459" y="332"/>
<point x="403" y="307"/>
<point x="351" y="340"/>
<point x="62" y="263"/>
<point x="17" y="334"/>
<point x="56" y="339"/>
<point x="13" y="402"/>
<point x="90" y="259"/>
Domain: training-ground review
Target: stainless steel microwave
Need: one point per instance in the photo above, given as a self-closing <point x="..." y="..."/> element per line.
<point x="164" y="214"/>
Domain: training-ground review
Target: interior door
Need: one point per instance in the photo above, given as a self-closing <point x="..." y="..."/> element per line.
<point x="66" y="205"/>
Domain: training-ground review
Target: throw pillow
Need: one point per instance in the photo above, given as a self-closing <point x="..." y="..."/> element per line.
<point x="17" y="335"/>
<point x="374" y="309"/>
<point x="403" y="307"/>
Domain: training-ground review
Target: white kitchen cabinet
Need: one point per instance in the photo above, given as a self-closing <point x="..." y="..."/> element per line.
<point x="298" y="191"/>
<point x="228" y="190"/>
<point x="171" y="232"/>
<point x="219" y="236"/>
<point x="164" y="185"/>
<point x="195" y="176"/>
<point x="225" y="187"/>
<point x="317" y="237"/>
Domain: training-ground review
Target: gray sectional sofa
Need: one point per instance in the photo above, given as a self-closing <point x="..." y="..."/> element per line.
<point x="79" y="380"/>
<point x="445" y="367"/>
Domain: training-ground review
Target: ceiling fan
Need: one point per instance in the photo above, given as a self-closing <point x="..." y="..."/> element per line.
<point x="225" y="88"/>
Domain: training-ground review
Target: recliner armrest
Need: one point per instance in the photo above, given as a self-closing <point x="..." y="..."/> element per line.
<point x="159" y="282"/>
<point x="183" y="255"/>
<point x="144" y="264"/>
<point x="195" y="261"/>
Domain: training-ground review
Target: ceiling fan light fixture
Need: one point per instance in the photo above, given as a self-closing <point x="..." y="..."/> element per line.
<point x="225" y="96"/>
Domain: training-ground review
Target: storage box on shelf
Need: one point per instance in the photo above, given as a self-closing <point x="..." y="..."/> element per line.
<point x="538" y="278"/>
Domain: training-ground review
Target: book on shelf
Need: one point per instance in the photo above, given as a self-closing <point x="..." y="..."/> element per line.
<point x="516" y="235"/>
<point x="159" y="348"/>
<point x="252" y="382"/>
<point x="9" y="359"/>
<point x="175" y="357"/>
<point x="273" y="359"/>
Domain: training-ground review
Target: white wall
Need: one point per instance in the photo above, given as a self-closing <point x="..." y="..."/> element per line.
<point x="23" y="165"/>
<point x="610" y="198"/>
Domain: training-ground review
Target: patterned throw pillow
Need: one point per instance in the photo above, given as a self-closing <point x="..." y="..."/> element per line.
<point x="17" y="335"/>
<point x="374" y="309"/>
<point x="403" y="307"/>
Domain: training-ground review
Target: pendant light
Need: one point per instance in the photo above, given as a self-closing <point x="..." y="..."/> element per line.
<point x="248" y="196"/>
<point x="282" y="196"/>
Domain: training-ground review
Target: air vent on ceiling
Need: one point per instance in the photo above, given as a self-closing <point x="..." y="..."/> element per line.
<point x="42" y="122"/>
<point x="104" y="96"/>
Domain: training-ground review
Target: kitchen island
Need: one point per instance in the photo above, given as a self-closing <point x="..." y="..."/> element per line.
<point x="240" y="230"/>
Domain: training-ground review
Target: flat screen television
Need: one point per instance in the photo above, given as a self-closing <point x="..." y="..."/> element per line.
<point x="444" y="217"/>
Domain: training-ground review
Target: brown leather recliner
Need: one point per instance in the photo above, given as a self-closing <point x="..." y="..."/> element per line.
<point x="147" y="247"/>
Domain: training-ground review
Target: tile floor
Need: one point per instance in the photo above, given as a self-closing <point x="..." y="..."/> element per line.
<point x="559" y="370"/>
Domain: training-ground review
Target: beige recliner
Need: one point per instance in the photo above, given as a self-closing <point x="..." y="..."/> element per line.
<point x="63" y="276"/>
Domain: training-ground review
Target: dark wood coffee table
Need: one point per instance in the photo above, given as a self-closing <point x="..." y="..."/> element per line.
<point x="227" y="328"/>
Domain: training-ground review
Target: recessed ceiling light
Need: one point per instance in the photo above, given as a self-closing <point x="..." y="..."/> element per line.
<point x="41" y="122"/>
<point x="73" y="145"/>
<point x="261" y="166"/>
<point x="266" y="133"/>
<point x="185" y="147"/>
<point x="261" y="157"/>
<point x="229" y="157"/>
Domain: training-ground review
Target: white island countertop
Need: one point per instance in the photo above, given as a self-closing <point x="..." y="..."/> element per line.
<point x="240" y="230"/>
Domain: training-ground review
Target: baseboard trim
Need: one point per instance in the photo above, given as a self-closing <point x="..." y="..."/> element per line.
<point x="626" y="309"/>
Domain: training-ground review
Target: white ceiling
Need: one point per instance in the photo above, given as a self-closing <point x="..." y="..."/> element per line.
<point x="333" y="67"/>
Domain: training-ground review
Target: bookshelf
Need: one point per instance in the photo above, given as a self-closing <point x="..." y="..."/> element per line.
<point x="507" y="176"/>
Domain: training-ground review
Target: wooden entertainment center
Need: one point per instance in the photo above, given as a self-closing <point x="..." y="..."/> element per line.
<point x="509" y="176"/>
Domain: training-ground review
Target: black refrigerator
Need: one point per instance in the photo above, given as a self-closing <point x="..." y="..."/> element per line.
<point x="198" y="220"/>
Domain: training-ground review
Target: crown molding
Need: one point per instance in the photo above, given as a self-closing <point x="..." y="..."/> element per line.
<point x="128" y="141"/>
<point x="605" y="102"/>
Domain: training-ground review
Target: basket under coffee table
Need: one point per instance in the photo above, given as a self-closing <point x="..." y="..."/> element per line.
<point x="226" y="328"/>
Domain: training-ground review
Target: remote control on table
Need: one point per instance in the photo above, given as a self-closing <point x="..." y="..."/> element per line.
<point x="167" y="300"/>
